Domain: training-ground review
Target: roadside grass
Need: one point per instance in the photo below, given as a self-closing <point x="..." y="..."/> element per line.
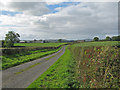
<point x="59" y="75"/>
<point x="99" y="43"/>
<point x="13" y="60"/>
<point x="40" y="44"/>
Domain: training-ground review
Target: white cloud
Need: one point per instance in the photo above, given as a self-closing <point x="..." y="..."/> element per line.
<point x="85" y="20"/>
<point x="81" y="21"/>
<point x="28" y="8"/>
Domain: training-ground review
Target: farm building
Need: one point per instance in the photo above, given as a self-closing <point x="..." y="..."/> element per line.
<point x="80" y="41"/>
<point x="31" y="41"/>
<point x="22" y="42"/>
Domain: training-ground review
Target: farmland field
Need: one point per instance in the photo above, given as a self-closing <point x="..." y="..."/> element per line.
<point x="84" y="65"/>
<point x="10" y="60"/>
<point x="104" y="43"/>
<point x="40" y="44"/>
<point x="15" y="56"/>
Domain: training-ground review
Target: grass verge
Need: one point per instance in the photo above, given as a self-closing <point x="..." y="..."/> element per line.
<point x="59" y="75"/>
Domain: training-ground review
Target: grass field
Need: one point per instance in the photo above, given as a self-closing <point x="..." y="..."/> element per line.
<point x="83" y="65"/>
<point x="40" y="44"/>
<point x="31" y="52"/>
<point x="19" y="58"/>
<point x="104" y="43"/>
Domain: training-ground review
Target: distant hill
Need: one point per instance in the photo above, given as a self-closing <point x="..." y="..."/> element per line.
<point x="88" y="40"/>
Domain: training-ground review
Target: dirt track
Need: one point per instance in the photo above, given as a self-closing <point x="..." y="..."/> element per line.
<point x="23" y="75"/>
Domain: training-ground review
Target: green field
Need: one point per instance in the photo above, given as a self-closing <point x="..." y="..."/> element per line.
<point x="104" y="43"/>
<point x="15" y="56"/>
<point x="40" y="44"/>
<point x="83" y="65"/>
<point x="19" y="58"/>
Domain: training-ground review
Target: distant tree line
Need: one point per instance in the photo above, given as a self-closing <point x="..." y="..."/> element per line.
<point x="13" y="37"/>
<point x="114" y="38"/>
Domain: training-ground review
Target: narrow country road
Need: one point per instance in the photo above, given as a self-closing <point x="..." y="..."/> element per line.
<point x="23" y="75"/>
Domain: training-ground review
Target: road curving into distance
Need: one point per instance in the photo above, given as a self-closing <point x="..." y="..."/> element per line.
<point x="23" y="75"/>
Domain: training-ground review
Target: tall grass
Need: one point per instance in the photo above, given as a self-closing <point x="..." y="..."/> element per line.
<point x="97" y="67"/>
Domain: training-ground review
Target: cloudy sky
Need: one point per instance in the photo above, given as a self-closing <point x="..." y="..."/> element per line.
<point x="54" y="20"/>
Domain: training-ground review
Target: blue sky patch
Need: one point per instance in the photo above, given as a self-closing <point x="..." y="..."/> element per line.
<point x="10" y="13"/>
<point x="63" y="5"/>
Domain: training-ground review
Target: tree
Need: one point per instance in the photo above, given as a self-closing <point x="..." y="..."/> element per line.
<point x="116" y="38"/>
<point x="25" y="41"/>
<point x="108" y="38"/>
<point x="11" y="38"/>
<point x="43" y="41"/>
<point x="96" y="39"/>
<point x="35" y="40"/>
<point x="59" y="40"/>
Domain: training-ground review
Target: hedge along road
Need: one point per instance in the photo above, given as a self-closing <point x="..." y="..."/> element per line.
<point x="23" y="75"/>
